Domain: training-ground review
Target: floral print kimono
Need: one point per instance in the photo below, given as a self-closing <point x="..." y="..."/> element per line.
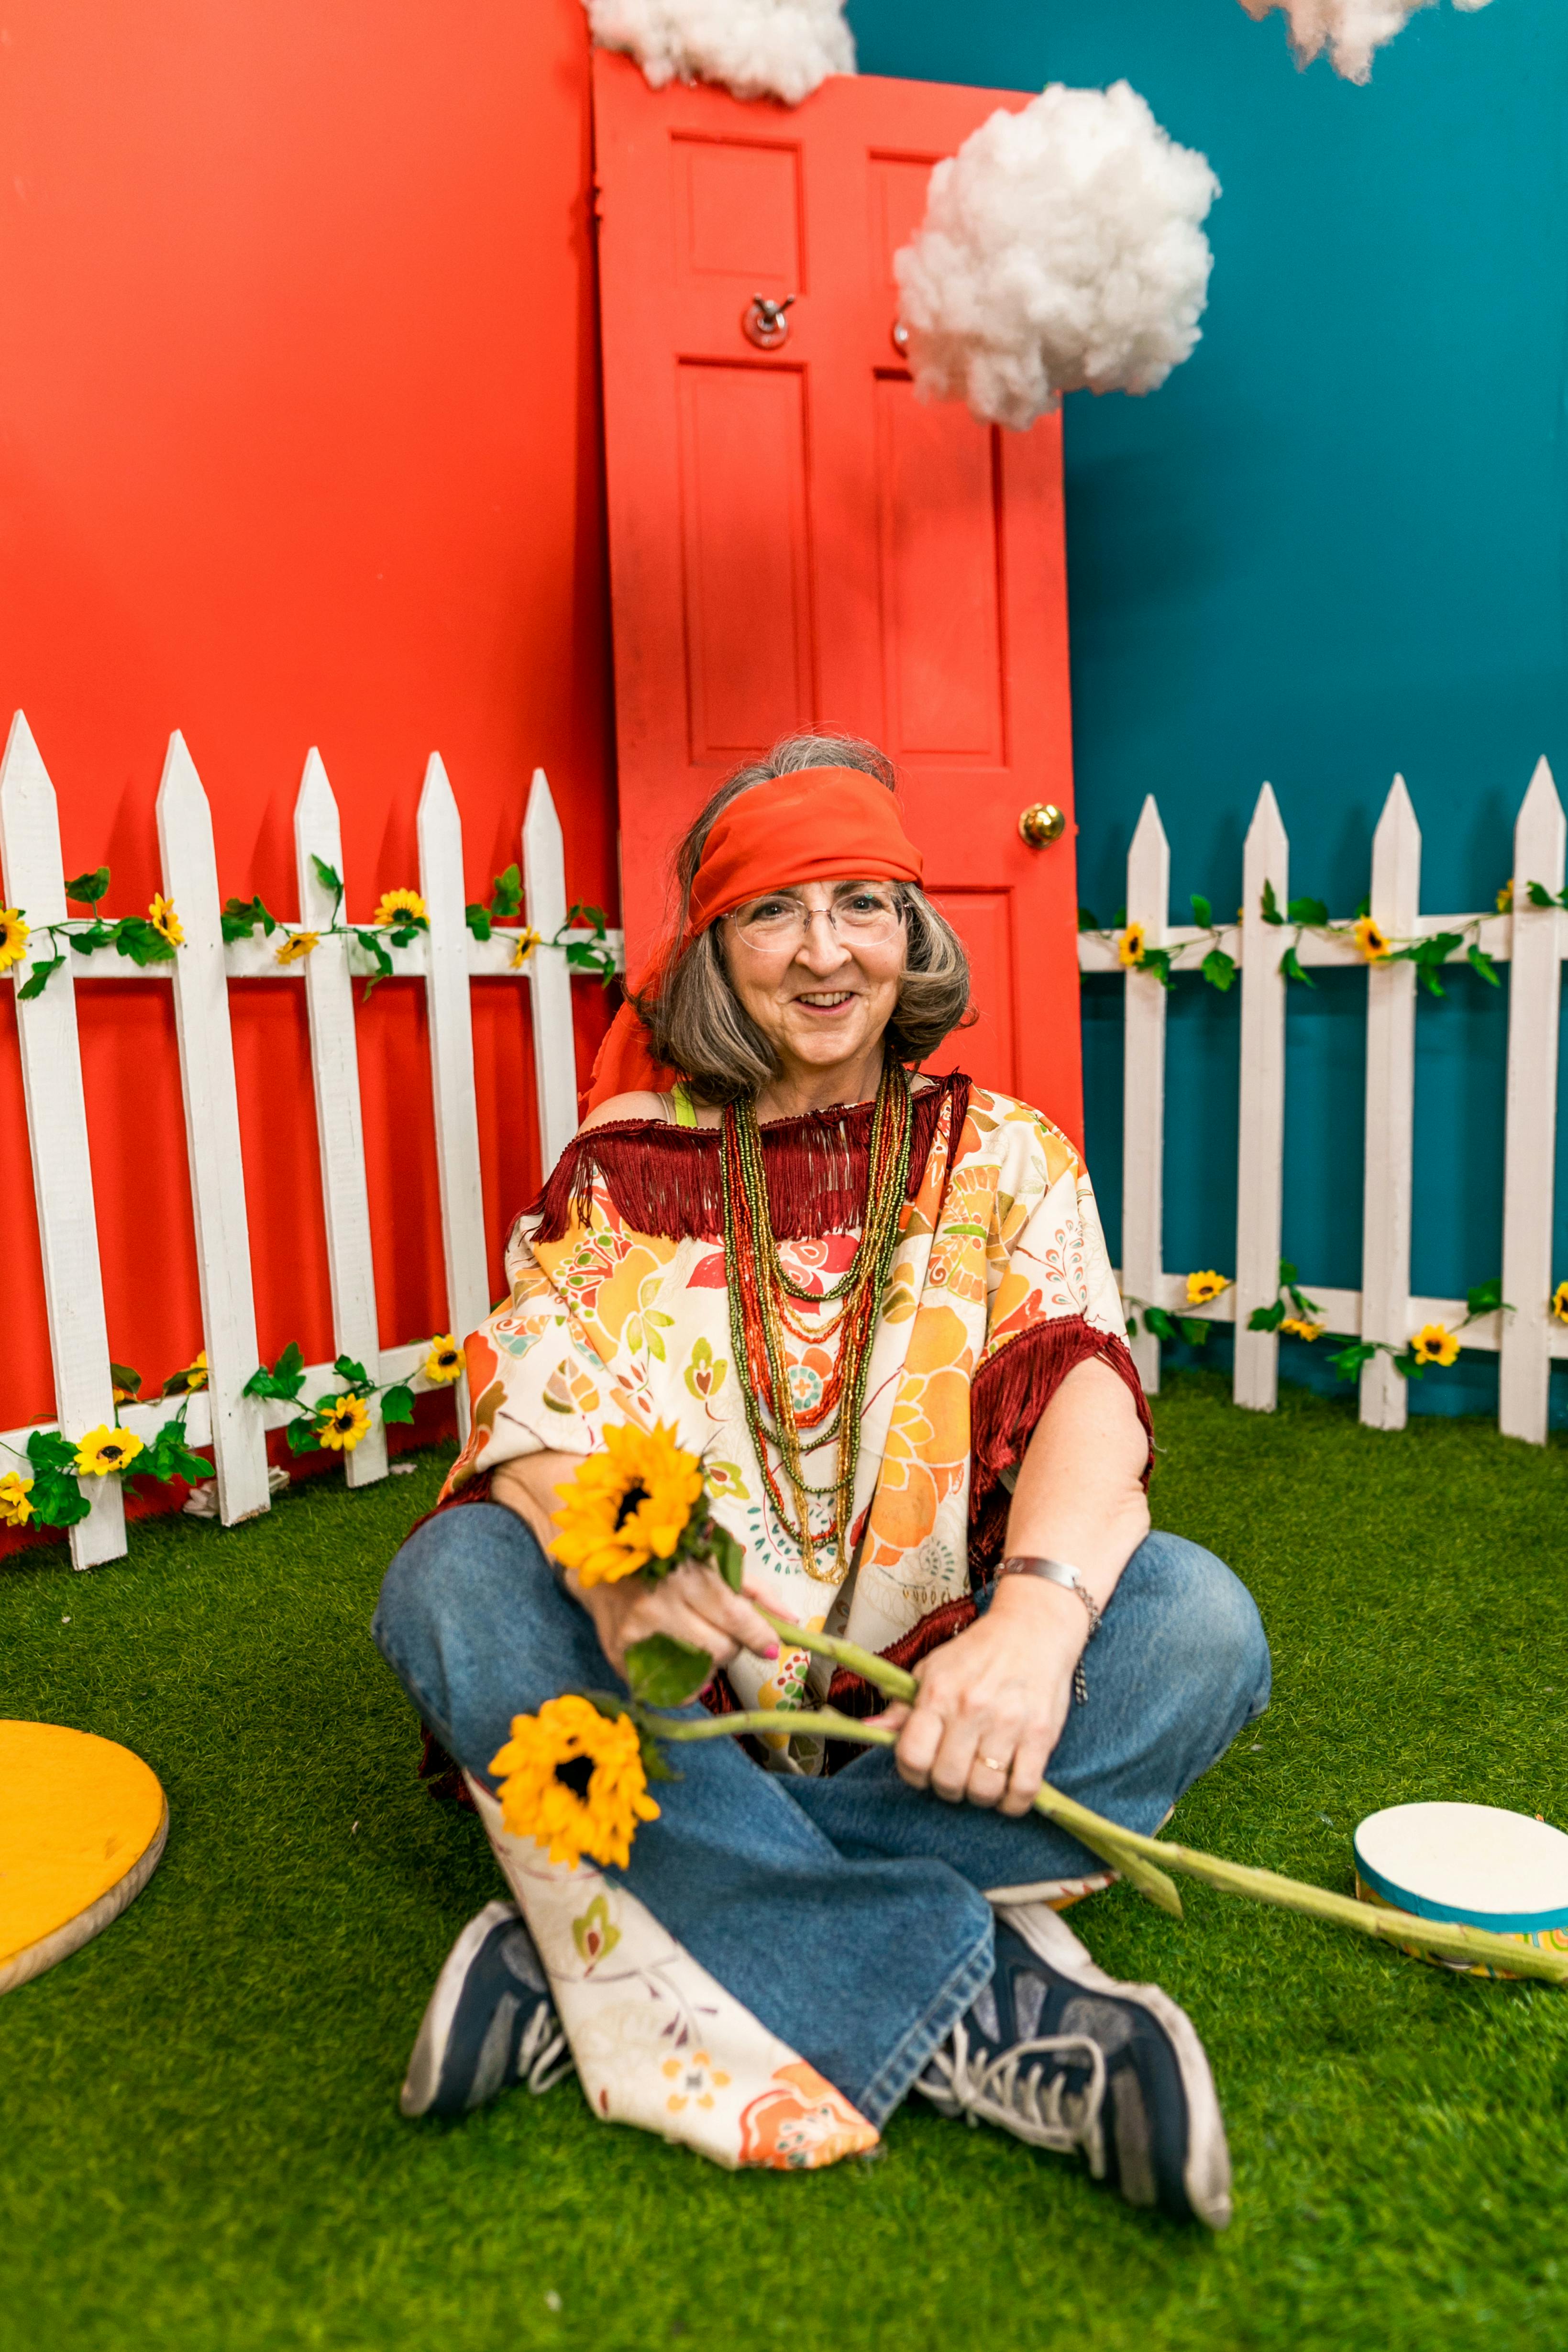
<point x="618" y="1311"/>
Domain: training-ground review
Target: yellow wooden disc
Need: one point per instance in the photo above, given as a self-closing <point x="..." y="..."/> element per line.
<point x="82" y="1824"/>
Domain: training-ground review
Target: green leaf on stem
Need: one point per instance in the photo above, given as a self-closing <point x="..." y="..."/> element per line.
<point x="1364" y="908"/>
<point x="1162" y="1325"/>
<point x="1480" y="961"/>
<point x="397" y="1403"/>
<point x="1219" y="969"/>
<point x="1291" y="965"/>
<point x="1267" y="1318"/>
<point x="1203" y="913"/>
<point x="42" y="974"/>
<point x="1540" y="896"/>
<point x="1348" y="1360"/>
<point x="57" y="1501"/>
<point x="1156" y="962"/>
<point x="96" y="935"/>
<point x="1409" y="1367"/>
<point x="1271" y="904"/>
<point x="478" y="920"/>
<point x="1308" y="911"/>
<point x="126" y="1376"/>
<point x="327" y="875"/>
<point x="47" y="1450"/>
<point x="505" y="895"/>
<point x="349" y="1369"/>
<point x="135" y="937"/>
<point x="1132" y="1327"/>
<point x="1087" y="919"/>
<point x="86" y="889"/>
<point x="303" y="1435"/>
<point x="663" y="1672"/>
<point x="726" y="1555"/>
<point x="166" y="1456"/>
<point x="1194" y="1331"/>
<point x="1487" y="1298"/>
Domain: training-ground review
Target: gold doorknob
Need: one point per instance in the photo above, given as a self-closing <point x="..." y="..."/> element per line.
<point x="1041" y="824"/>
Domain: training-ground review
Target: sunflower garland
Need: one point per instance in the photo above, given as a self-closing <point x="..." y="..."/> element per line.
<point x="1300" y="1317"/>
<point x="51" y="1495"/>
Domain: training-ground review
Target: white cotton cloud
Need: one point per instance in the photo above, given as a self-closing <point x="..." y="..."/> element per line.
<point x="756" y="49"/>
<point x="1060" y="251"/>
<point x="1348" y="29"/>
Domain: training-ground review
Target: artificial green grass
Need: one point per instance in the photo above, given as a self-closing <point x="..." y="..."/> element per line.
<point x="199" y="2141"/>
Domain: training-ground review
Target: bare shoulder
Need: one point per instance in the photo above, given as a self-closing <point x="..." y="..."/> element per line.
<point x="644" y="1104"/>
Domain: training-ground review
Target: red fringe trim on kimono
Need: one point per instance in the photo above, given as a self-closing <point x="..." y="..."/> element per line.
<point x="667" y="1181"/>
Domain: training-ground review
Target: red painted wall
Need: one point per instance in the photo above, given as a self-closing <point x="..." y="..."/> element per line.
<point x="298" y="444"/>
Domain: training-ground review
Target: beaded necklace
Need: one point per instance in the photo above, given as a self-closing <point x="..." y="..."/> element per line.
<point x="764" y="1306"/>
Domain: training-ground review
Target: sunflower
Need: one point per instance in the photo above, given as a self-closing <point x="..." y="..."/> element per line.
<point x="14" y="936"/>
<point x="1434" y="1344"/>
<point x="164" y="922"/>
<point x="1370" y="940"/>
<point x="1202" y="1287"/>
<point x="1505" y="898"/>
<point x="297" y="945"/>
<point x="1130" y="946"/>
<point x="1300" y="1329"/>
<point x="196" y="1375"/>
<point x="104" y="1450"/>
<point x="627" y="1505"/>
<point x="399" y="907"/>
<point x="341" y="1420"/>
<point x="443" y="1364"/>
<point x="527" y="940"/>
<point x="573" y="1779"/>
<point x="1559" y="1302"/>
<point x="15" y="1510"/>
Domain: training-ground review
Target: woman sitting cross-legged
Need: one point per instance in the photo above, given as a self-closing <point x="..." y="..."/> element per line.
<point x="879" y="1307"/>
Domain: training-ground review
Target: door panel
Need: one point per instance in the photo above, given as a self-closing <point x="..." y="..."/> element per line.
<point x="794" y="537"/>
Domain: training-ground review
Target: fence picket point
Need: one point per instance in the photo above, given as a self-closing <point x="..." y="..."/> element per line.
<point x="1396" y="900"/>
<point x="340" y="1128"/>
<point x="1529" y="1152"/>
<point x="1261" y="1145"/>
<point x="1143" y="1089"/>
<point x="57" y="1131"/>
<point x="550" y="975"/>
<point x="448" y="1001"/>
<point x="212" y="1137"/>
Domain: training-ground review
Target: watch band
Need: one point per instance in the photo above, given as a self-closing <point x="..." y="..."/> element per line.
<point x="1057" y="1572"/>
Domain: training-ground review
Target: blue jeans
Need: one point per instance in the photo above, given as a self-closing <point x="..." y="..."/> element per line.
<point x="847" y="1914"/>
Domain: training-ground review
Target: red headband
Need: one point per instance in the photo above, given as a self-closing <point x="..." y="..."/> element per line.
<point x="822" y="824"/>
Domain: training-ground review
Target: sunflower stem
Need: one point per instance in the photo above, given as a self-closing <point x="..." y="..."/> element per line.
<point x="1141" y="1858"/>
<point x="878" y="1672"/>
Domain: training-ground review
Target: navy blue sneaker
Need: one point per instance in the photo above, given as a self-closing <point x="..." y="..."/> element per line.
<point x="490" y="2022"/>
<point x="1065" y="2057"/>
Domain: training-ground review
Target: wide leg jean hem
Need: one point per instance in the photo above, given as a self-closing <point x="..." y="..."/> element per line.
<point x="890" y="2084"/>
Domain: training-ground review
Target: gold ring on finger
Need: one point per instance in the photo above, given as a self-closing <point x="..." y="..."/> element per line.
<point x="991" y="1764"/>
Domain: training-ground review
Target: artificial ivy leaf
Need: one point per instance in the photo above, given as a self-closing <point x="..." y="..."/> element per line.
<point x="86" y="889"/>
<point x="1291" y="965"/>
<point x="348" y="1369"/>
<point x="478" y="920"/>
<point x="1486" y="1299"/>
<point x="1265" y="1318"/>
<point x="663" y="1672"/>
<point x="1271" y="904"/>
<point x="1365" y="908"/>
<point x="1540" y="896"/>
<point x="1427" y="973"/>
<point x="1162" y="1325"/>
<point x="1479" y="960"/>
<point x="1087" y="919"/>
<point x="1307" y="911"/>
<point x="167" y="1455"/>
<point x="592" y="919"/>
<point x="727" y="1556"/>
<point x="505" y="895"/>
<point x="126" y="1376"/>
<point x="1203" y="913"/>
<point x="303" y="1435"/>
<point x="404" y="935"/>
<point x="47" y="1450"/>
<point x="1119" y="920"/>
<point x="41" y="976"/>
<point x="1219" y="969"/>
<point x="1348" y="1360"/>
<point x="327" y="875"/>
<point x="290" y="1367"/>
<point x="135" y="937"/>
<point x="397" y="1403"/>
<point x="96" y="935"/>
<point x="1194" y="1332"/>
<point x="1156" y="962"/>
<point x="1288" y="1272"/>
<point x="57" y="1501"/>
<point x="1409" y="1368"/>
<point x="1132" y="1327"/>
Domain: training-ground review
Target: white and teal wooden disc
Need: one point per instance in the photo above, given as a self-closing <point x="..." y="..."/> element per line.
<point x="1479" y="1864"/>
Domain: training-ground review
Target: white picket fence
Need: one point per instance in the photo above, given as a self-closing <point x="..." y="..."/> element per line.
<point x="1530" y="940"/>
<point x="447" y="958"/>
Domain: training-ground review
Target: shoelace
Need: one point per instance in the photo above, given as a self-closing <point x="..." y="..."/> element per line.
<point x="1033" y="2103"/>
<point x="542" y="2044"/>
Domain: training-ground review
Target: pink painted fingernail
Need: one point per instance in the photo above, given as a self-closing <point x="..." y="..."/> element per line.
<point x="771" y="1651"/>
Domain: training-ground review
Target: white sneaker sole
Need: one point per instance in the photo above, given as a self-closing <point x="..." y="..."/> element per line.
<point x="1205" y="2175"/>
<point x="425" y="2063"/>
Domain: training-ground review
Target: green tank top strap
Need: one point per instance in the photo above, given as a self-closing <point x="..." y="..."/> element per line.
<point x="684" y="1107"/>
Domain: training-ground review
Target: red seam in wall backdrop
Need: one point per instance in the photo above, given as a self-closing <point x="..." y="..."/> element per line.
<point x="298" y="444"/>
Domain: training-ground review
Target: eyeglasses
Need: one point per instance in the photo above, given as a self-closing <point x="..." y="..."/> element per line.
<point x="868" y="916"/>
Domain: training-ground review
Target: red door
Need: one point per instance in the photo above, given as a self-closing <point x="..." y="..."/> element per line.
<point x="794" y="538"/>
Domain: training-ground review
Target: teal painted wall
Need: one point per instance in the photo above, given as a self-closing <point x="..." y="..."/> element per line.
<point x="1329" y="548"/>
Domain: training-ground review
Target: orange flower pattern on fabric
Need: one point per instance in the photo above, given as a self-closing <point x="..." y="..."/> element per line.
<point x="608" y="1327"/>
<point x="800" y="2122"/>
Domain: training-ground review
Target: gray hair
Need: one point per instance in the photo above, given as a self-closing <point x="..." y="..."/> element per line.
<point x="696" y="1022"/>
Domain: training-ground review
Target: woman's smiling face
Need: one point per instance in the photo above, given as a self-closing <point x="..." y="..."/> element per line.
<point x="825" y="998"/>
